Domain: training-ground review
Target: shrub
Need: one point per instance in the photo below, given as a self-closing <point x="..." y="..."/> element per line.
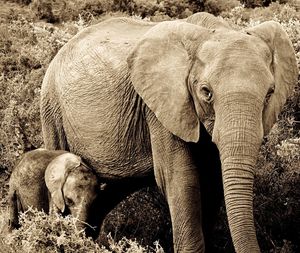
<point x="216" y="7"/>
<point x="178" y="9"/>
<point x="264" y="3"/>
<point x="58" y="11"/>
<point x="255" y="3"/>
<point x="42" y="233"/>
<point x="53" y="233"/>
<point x="25" y="52"/>
<point x="20" y="1"/>
<point x="242" y="16"/>
<point x="170" y="9"/>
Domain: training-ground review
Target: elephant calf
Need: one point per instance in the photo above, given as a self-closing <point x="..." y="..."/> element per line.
<point x="54" y="181"/>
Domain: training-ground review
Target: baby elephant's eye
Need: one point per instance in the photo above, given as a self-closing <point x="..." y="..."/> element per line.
<point x="69" y="202"/>
<point x="206" y="93"/>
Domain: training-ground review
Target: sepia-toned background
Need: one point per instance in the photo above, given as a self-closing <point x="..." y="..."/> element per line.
<point x="31" y="33"/>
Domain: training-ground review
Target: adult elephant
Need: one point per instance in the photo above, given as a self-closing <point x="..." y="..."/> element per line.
<point x="130" y="95"/>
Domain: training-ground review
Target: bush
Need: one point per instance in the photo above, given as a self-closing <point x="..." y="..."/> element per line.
<point x="20" y="1"/>
<point x="25" y="52"/>
<point x="255" y="3"/>
<point x="263" y="3"/>
<point x="62" y="10"/>
<point x="53" y="233"/>
<point x="246" y="17"/>
<point x="58" y="11"/>
<point x="42" y="233"/>
<point x="155" y="8"/>
<point x="216" y="7"/>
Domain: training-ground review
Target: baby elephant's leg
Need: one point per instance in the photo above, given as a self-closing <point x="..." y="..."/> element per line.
<point x="14" y="207"/>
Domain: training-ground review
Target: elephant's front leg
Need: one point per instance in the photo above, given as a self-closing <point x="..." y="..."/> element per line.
<point x="177" y="176"/>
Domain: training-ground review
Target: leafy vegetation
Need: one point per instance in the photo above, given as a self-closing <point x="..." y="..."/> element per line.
<point x="31" y="33"/>
<point x="53" y="233"/>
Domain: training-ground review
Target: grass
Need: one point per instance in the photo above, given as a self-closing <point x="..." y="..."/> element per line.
<point x="28" y="42"/>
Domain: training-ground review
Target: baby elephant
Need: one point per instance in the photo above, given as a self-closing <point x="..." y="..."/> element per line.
<point x="55" y="181"/>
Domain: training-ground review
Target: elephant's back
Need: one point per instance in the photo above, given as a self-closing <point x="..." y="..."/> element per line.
<point x="113" y="33"/>
<point x="107" y="43"/>
<point x="98" y="51"/>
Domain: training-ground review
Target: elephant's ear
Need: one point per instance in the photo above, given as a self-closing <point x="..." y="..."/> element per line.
<point x="159" y="66"/>
<point x="207" y="20"/>
<point x="284" y="68"/>
<point x="56" y="174"/>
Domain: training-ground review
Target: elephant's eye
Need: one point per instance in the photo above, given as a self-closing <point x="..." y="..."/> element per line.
<point x="69" y="202"/>
<point x="206" y="93"/>
<point x="269" y="94"/>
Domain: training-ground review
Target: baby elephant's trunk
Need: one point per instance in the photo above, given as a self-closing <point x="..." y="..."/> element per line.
<point x="84" y="220"/>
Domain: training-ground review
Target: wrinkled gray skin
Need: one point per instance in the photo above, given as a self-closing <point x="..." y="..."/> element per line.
<point x="27" y="187"/>
<point x="130" y="95"/>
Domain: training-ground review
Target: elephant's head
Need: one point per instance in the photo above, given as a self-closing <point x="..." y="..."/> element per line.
<point x="73" y="187"/>
<point x="188" y="72"/>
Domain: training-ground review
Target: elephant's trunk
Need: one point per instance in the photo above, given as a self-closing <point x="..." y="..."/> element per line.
<point x="238" y="134"/>
<point x="238" y="191"/>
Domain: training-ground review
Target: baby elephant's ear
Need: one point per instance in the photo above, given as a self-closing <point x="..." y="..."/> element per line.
<point x="58" y="200"/>
<point x="56" y="174"/>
